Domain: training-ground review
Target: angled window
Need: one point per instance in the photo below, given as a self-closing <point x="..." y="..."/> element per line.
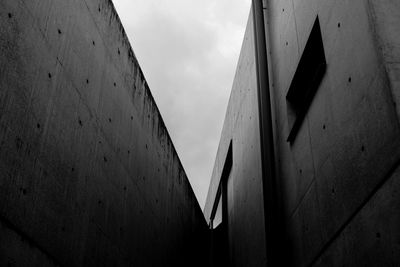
<point x="217" y="218"/>
<point x="306" y="80"/>
<point x="218" y="213"/>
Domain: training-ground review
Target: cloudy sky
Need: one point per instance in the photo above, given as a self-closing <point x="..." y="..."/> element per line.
<point x="188" y="52"/>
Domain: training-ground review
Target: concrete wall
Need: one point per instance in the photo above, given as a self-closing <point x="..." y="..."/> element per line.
<point x="88" y="172"/>
<point x="339" y="178"/>
<point x="241" y="125"/>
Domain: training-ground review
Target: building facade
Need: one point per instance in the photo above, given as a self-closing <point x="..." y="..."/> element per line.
<point x="307" y="170"/>
<point x="88" y="173"/>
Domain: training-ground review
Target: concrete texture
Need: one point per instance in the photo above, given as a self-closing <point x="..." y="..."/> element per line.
<point x="372" y="237"/>
<point x="338" y="178"/>
<point x="349" y="141"/>
<point x="384" y="21"/>
<point x="241" y="125"/>
<point x="88" y="173"/>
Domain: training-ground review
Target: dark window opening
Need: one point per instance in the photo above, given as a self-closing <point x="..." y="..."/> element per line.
<point x="217" y="220"/>
<point x="219" y="247"/>
<point x="306" y="80"/>
<point x="217" y="213"/>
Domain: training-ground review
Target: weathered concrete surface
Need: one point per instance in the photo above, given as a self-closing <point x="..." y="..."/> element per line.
<point x="16" y="250"/>
<point x="372" y="237"/>
<point x="88" y="173"/>
<point x="339" y="178"/>
<point x="385" y="22"/>
<point x="349" y="141"/>
<point x="241" y="125"/>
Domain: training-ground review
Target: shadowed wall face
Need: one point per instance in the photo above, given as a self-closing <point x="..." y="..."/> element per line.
<point x="346" y="150"/>
<point x="338" y="174"/>
<point x="88" y="173"/>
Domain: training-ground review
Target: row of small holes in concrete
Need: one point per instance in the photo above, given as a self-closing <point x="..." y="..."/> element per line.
<point x="287" y="43"/>
<point x="10" y="15"/>
<point x="283" y="10"/>
<point x="87" y="82"/>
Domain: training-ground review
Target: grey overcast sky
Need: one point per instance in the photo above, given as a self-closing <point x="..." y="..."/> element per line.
<point x="188" y="51"/>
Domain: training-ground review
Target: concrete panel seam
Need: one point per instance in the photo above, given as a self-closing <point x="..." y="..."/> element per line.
<point x="28" y="239"/>
<point x="354" y="214"/>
